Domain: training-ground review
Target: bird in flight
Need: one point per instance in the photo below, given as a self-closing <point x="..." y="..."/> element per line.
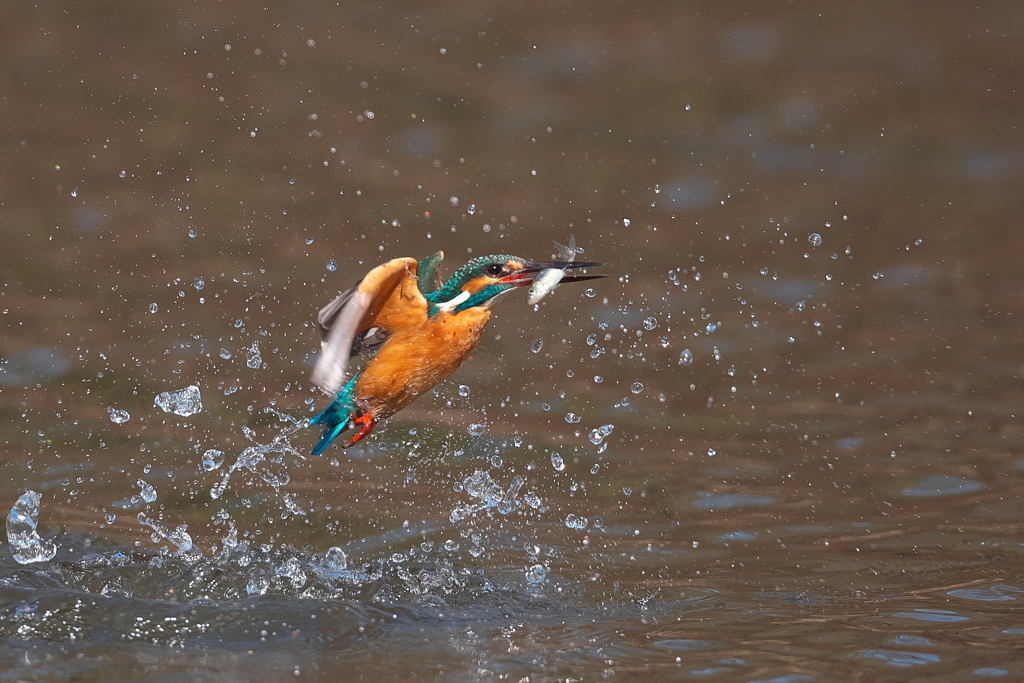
<point x="416" y="330"/>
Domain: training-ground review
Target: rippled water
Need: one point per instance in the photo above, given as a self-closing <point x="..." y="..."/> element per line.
<point x="779" y="443"/>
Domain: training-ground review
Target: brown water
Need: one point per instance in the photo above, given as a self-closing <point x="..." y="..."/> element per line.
<point x="812" y="458"/>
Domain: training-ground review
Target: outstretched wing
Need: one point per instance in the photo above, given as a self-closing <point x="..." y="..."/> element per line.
<point x="363" y="316"/>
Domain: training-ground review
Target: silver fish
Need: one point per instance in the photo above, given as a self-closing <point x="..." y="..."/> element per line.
<point x="547" y="280"/>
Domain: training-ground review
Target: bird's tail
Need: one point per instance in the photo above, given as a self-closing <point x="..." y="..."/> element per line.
<point x="335" y="418"/>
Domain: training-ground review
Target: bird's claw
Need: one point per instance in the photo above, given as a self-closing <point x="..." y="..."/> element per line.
<point x="366" y="424"/>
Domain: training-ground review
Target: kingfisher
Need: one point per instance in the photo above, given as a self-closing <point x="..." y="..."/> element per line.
<point x="416" y="330"/>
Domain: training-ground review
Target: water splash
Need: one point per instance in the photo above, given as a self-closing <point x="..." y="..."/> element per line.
<point x="490" y="495"/>
<point x="179" y="537"/>
<point x="267" y="461"/>
<point x="26" y="544"/>
<point x="184" y="402"/>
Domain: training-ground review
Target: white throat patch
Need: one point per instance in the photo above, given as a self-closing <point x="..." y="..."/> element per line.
<point x="449" y="306"/>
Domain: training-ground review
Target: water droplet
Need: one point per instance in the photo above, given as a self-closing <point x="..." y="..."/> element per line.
<point x="576" y="521"/>
<point x="598" y="379"/>
<point x="536" y="345"/>
<point x="335" y="559"/>
<point x="764" y="270"/>
<point x="815" y="239"/>
<point x="252" y="356"/>
<point x="716" y="353"/>
<point x="636" y="387"/>
<point x="712" y="452"/>
<point x="118" y="417"/>
<point x="477" y="428"/>
<point x="471" y="209"/>
<point x="212" y="459"/>
<point x="626" y="491"/>
<point x="453" y="200"/>
<point x="153" y="308"/>
<point x="332" y="265"/>
<point x="686" y="357"/>
<point x="557" y="462"/>
<point x="572" y="418"/>
<point x="800" y="306"/>
<point x="225" y="354"/>
<point x="184" y="402"/>
<point x="650" y="323"/>
<point x="463" y="390"/>
<point x="147" y="491"/>
<point x="199" y="283"/>
<point x="596" y="468"/>
<point x="589" y="293"/>
<point x="26" y="544"/>
<point x="536" y="574"/>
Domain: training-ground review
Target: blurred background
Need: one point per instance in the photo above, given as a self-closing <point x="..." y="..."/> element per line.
<point x="781" y="442"/>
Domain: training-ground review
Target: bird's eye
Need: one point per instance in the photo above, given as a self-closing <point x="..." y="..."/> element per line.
<point x="493" y="269"/>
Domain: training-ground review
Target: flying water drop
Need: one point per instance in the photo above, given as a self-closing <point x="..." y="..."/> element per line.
<point x="183" y="402"/>
<point x="22" y="534"/>
<point x="252" y="356"/>
<point x="146" y="490"/>
<point x="576" y="521"/>
<point x="212" y="459"/>
<point x="536" y="574"/>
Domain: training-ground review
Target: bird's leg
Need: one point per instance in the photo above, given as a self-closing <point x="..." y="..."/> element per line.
<point x="366" y="424"/>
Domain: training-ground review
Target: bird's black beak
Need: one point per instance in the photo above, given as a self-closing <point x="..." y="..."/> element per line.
<point x="526" y="275"/>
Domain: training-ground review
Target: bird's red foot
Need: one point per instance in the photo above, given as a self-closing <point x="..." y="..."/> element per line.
<point x="366" y="424"/>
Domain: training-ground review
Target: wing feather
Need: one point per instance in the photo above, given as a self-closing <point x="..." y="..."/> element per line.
<point x="386" y="298"/>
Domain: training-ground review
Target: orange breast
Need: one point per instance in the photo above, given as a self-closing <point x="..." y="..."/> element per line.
<point x="415" y="358"/>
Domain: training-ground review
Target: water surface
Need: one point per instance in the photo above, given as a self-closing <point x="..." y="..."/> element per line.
<point x="780" y="443"/>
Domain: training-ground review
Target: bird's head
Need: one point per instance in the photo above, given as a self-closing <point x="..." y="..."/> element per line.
<point x="484" y="278"/>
